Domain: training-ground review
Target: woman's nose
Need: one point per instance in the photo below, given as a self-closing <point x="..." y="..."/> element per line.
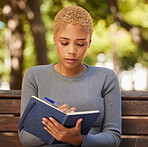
<point x="72" y="49"/>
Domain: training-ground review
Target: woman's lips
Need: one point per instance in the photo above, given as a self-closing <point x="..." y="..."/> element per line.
<point x="71" y="60"/>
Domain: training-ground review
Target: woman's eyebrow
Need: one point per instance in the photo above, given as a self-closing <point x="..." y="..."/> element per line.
<point x="64" y="38"/>
<point x="69" y="39"/>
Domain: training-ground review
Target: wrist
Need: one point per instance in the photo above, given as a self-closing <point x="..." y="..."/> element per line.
<point x="79" y="141"/>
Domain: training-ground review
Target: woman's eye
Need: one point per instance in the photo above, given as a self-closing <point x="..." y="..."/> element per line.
<point x="80" y="44"/>
<point x="64" y="43"/>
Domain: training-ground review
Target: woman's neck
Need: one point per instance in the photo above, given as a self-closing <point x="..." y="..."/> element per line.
<point x="70" y="72"/>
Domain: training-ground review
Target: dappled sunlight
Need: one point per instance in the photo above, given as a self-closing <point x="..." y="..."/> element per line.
<point x="37" y="28"/>
<point x="117" y="40"/>
<point x="103" y="61"/>
<point x="7" y="10"/>
<point x="135" y="78"/>
<point x="135" y="34"/>
<point x="15" y="63"/>
<point x="15" y="41"/>
<point x="13" y="23"/>
<point x="21" y="4"/>
<point x="30" y="15"/>
<point x="9" y="134"/>
<point x="17" y="45"/>
<point x="134" y="136"/>
<point x="134" y="117"/>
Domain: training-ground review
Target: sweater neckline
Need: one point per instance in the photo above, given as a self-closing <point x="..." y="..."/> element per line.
<point x="55" y="73"/>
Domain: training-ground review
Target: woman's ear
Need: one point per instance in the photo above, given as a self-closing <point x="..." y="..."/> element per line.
<point x="89" y="43"/>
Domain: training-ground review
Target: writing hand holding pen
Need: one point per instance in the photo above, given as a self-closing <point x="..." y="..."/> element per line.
<point x="65" y="108"/>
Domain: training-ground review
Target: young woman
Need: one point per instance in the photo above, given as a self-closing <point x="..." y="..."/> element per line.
<point x="76" y="86"/>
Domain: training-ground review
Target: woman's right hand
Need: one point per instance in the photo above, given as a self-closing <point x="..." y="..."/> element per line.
<point x="65" y="108"/>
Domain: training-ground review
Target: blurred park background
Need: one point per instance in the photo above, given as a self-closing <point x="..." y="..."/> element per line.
<point x="119" y="41"/>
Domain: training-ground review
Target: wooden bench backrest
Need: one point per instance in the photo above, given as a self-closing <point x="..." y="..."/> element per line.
<point x="134" y="118"/>
<point x="9" y="118"/>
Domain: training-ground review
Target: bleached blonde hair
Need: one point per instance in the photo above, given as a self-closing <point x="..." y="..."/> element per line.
<point x="74" y="15"/>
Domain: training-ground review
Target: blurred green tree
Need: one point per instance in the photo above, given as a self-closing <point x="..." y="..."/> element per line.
<point x="120" y="31"/>
<point x="120" y="39"/>
<point x="15" y="41"/>
<point x="15" y="12"/>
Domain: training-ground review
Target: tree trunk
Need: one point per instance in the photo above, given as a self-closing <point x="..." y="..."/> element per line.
<point x="34" y="18"/>
<point x="15" y="42"/>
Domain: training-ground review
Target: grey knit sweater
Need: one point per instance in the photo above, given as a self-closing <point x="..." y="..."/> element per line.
<point x="97" y="88"/>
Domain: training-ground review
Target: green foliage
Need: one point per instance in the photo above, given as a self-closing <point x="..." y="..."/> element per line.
<point x="29" y="50"/>
<point x="108" y="35"/>
<point x="4" y="58"/>
<point x="135" y="12"/>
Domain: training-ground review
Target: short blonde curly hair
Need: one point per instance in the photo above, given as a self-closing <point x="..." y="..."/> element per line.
<point x="75" y="15"/>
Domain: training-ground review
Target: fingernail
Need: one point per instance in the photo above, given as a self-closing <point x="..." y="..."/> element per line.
<point x="43" y="118"/>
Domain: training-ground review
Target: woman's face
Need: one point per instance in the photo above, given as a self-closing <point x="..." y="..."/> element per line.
<point x="71" y="42"/>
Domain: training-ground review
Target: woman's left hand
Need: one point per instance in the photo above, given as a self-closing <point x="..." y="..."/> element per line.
<point x="61" y="133"/>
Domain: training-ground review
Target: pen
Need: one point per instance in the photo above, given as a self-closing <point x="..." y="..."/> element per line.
<point x="53" y="102"/>
<point x="50" y="100"/>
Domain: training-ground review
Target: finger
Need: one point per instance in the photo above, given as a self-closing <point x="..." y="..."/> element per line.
<point x="66" y="110"/>
<point x="73" y="109"/>
<point x="50" y="127"/>
<point x="63" y="106"/>
<point x="57" y="135"/>
<point x="78" y="124"/>
<point x="56" y="130"/>
<point x="50" y="132"/>
<point x="45" y="119"/>
<point x="47" y="123"/>
<point x="56" y="124"/>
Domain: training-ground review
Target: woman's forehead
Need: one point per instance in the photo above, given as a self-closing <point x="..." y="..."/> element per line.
<point x="72" y="31"/>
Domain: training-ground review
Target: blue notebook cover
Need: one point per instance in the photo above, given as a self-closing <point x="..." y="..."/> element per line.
<point x="31" y="120"/>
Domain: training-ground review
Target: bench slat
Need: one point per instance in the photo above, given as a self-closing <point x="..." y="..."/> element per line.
<point x="134" y="141"/>
<point x="8" y="123"/>
<point x="124" y="94"/>
<point x="10" y="140"/>
<point x="10" y="92"/>
<point x="10" y="106"/>
<point x="134" y="107"/>
<point x="130" y="125"/>
<point x="135" y="125"/>
<point x="134" y="95"/>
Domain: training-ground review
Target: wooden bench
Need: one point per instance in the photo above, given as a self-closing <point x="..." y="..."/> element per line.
<point x="134" y="118"/>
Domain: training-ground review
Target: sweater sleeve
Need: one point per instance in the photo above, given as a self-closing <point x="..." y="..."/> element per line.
<point x="29" y="88"/>
<point x="110" y="135"/>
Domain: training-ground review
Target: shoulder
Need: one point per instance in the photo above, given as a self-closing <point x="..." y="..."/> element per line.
<point x="102" y="71"/>
<point x="38" y="70"/>
<point x="102" y="75"/>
